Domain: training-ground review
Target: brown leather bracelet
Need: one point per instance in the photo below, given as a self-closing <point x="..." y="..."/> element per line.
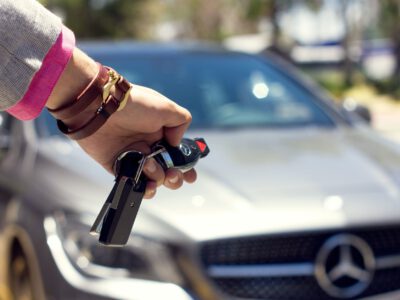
<point x="85" y="98"/>
<point x="92" y="125"/>
<point x="107" y="108"/>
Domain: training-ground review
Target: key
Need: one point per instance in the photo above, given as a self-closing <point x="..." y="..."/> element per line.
<point x="183" y="157"/>
<point x="117" y="216"/>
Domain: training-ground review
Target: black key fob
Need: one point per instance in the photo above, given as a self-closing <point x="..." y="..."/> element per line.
<point x="183" y="157"/>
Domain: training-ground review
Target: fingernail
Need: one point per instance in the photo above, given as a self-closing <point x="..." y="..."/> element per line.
<point x="150" y="193"/>
<point x="151" y="166"/>
<point x="174" y="179"/>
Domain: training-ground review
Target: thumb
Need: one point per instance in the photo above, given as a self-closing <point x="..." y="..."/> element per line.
<point x="174" y="131"/>
<point x="174" y="135"/>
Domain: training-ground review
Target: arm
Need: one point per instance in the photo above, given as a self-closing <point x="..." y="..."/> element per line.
<point x="147" y="117"/>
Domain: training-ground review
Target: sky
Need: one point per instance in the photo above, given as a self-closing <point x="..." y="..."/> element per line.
<point x="309" y="26"/>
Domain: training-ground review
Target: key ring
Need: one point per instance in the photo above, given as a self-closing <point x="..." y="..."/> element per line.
<point x="117" y="216"/>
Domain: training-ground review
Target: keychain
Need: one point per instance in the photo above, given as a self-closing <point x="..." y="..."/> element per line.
<point x="117" y="216"/>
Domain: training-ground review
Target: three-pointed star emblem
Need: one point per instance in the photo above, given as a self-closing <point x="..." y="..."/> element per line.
<point x="345" y="266"/>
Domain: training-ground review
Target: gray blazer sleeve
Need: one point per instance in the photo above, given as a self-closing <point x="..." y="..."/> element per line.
<point x="27" y="32"/>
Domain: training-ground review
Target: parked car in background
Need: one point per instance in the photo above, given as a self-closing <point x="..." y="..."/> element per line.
<point x="297" y="199"/>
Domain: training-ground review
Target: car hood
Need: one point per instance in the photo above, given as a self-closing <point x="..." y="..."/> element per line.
<point x="257" y="181"/>
<point x="284" y="180"/>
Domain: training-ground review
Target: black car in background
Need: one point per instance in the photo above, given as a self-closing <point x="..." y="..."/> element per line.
<point x="297" y="200"/>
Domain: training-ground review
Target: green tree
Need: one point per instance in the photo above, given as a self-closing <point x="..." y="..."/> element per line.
<point x="390" y="24"/>
<point x="258" y="9"/>
<point x="107" y="18"/>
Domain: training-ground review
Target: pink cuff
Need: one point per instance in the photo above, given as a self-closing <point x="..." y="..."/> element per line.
<point x="45" y="79"/>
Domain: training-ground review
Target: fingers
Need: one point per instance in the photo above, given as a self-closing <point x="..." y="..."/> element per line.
<point x="151" y="189"/>
<point x="154" y="172"/>
<point x="153" y="111"/>
<point x="190" y="176"/>
<point x="173" y="179"/>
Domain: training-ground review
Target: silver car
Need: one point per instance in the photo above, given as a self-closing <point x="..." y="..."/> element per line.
<point x="298" y="199"/>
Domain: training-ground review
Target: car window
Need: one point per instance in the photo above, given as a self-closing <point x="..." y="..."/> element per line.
<point x="225" y="90"/>
<point x="220" y="90"/>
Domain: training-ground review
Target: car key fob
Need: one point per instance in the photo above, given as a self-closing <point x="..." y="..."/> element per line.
<point x="183" y="157"/>
<point x="117" y="216"/>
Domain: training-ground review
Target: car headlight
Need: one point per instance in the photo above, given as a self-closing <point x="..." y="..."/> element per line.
<point x="141" y="258"/>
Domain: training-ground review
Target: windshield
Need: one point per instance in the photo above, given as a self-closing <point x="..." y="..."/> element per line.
<point x="224" y="90"/>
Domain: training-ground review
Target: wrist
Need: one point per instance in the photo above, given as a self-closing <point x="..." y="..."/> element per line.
<point x="80" y="70"/>
<point x="96" y="95"/>
<point x="78" y="73"/>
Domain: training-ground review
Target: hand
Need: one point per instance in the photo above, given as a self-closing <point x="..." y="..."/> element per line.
<point x="147" y="117"/>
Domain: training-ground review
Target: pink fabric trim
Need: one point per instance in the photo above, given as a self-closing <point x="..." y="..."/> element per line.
<point x="43" y="82"/>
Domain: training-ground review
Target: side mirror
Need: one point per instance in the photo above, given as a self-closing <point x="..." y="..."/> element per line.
<point x="351" y="107"/>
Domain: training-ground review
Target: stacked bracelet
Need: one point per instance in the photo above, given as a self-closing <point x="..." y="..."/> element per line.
<point x="98" y="93"/>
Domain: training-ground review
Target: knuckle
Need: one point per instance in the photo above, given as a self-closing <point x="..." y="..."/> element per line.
<point x="188" y="117"/>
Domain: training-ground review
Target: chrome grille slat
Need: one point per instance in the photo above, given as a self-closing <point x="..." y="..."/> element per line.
<point x="280" y="270"/>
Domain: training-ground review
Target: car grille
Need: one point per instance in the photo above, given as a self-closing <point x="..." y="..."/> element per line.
<point x="291" y="250"/>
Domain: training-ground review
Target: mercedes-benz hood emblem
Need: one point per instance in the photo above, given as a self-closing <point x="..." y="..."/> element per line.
<point x="344" y="266"/>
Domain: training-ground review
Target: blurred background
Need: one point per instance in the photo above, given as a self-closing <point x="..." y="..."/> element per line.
<point x="310" y="209"/>
<point x="352" y="48"/>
